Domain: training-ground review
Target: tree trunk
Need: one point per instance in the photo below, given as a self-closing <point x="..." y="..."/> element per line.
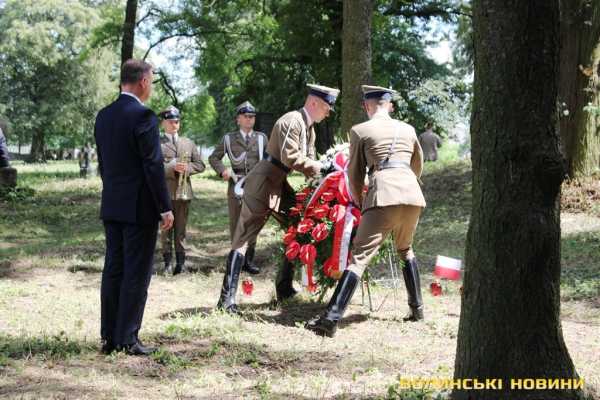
<point x="38" y="147"/>
<point x="127" y="44"/>
<point x="356" y="60"/>
<point x="578" y="85"/>
<point x="510" y="325"/>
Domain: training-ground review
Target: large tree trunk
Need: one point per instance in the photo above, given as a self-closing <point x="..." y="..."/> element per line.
<point x="38" y="147"/>
<point x="127" y="44"/>
<point x="509" y="324"/>
<point x="578" y="85"/>
<point x="356" y="59"/>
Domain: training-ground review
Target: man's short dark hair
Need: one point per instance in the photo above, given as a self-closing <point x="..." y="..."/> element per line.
<point x="134" y="70"/>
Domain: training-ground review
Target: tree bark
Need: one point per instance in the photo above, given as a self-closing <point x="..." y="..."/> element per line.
<point x="356" y="59"/>
<point x="127" y="44"/>
<point x="510" y="324"/>
<point x="38" y="147"/>
<point x="579" y="85"/>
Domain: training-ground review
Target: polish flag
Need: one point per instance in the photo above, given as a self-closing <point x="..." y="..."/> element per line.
<point x="446" y="267"/>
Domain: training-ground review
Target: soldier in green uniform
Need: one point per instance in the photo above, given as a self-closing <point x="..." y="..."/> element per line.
<point x="391" y="152"/>
<point x="244" y="148"/>
<point x="181" y="160"/>
<point x="267" y="192"/>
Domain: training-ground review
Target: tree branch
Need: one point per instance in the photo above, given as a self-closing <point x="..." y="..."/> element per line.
<point x="170" y="90"/>
<point x="152" y="12"/>
<point x="188" y="34"/>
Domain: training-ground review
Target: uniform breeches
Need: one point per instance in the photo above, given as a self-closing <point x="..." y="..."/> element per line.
<point x="375" y="225"/>
<point x="177" y="231"/>
<point x="235" y="208"/>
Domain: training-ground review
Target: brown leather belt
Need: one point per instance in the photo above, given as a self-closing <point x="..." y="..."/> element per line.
<point x="276" y="163"/>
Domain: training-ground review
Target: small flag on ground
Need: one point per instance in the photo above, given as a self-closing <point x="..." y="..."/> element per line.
<point x="446" y="267"/>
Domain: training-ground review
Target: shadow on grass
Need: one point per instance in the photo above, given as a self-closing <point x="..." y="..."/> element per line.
<point x="47" y="347"/>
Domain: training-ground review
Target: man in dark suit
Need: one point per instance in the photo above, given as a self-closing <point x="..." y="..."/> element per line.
<point x="134" y="200"/>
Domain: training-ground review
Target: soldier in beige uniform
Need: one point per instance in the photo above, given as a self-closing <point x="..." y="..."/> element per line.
<point x="244" y="148"/>
<point x="180" y="156"/>
<point x="267" y="192"/>
<point x="390" y="150"/>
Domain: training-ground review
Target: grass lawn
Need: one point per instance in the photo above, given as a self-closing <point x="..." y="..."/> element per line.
<point x="51" y="256"/>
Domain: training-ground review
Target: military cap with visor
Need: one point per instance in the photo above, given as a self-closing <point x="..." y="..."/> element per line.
<point x="378" y="93"/>
<point x="327" y="94"/>
<point x="245" y="108"/>
<point x="170" y="113"/>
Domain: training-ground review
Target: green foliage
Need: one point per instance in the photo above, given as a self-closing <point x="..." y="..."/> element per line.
<point x="51" y="85"/>
<point x="47" y="347"/>
<point x="266" y="52"/>
<point x="19" y="193"/>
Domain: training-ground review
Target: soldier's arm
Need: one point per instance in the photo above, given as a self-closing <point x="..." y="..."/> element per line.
<point x="416" y="162"/>
<point x="357" y="168"/>
<point x="169" y="166"/>
<point x="196" y="165"/>
<point x="438" y="141"/>
<point x="216" y="158"/>
<point x="291" y="153"/>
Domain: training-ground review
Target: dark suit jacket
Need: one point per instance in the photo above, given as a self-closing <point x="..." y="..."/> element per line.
<point x="130" y="163"/>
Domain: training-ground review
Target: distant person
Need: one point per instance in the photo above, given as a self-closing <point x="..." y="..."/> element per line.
<point x="4" y="160"/>
<point x="430" y="142"/>
<point x="85" y="158"/>
<point x="180" y="156"/>
<point x="134" y="199"/>
<point x="244" y="148"/>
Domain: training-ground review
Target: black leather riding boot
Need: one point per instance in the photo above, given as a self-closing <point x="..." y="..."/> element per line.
<point x="235" y="261"/>
<point x="283" y="282"/>
<point x="326" y="323"/>
<point x="167" y="258"/>
<point x="179" y="262"/>
<point x="412" y="281"/>
<point x="249" y="265"/>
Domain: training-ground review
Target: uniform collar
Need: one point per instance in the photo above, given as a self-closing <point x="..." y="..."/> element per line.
<point x="249" y="134"/>
<point x="381" y="114"/>
<point x="172" y="136"/>
<point x="307" y="118"/>
<point x="132" y="95"/>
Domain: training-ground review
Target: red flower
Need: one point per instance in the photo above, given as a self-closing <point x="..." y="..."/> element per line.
<point x="292" y="250"/>
<point x="436" y="288"/>
<point x="305" y="225"/>
<point x="291" y="229"/>
<point x="248" y="286"/>
<point x="337" y="212"/>
<point x="301" y="196"/>
<point x="307" y="190"/>
<point x="321" y="211"/>
<point x="320" y="232"/>
<point x="309" y="211"/>
<point x="289" y="237"/>
<point x="308" y="254"/>
<point x="327" y="196"/>
<point x="294" y="211"/>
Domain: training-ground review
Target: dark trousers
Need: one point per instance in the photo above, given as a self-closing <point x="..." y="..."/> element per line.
<point x="125" y="279"/>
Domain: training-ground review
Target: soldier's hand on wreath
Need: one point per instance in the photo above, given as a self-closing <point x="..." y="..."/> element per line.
<point x="226" y="175"/>
<point x="167" y="221"/>
<point x="327" y="168"/>
<point x="180" y="167"/>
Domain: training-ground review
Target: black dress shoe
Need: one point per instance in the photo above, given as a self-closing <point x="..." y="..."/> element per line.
<point x="107" y="347"/>
<point x="137" y="349"/>
<point x="251" y="268"/>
